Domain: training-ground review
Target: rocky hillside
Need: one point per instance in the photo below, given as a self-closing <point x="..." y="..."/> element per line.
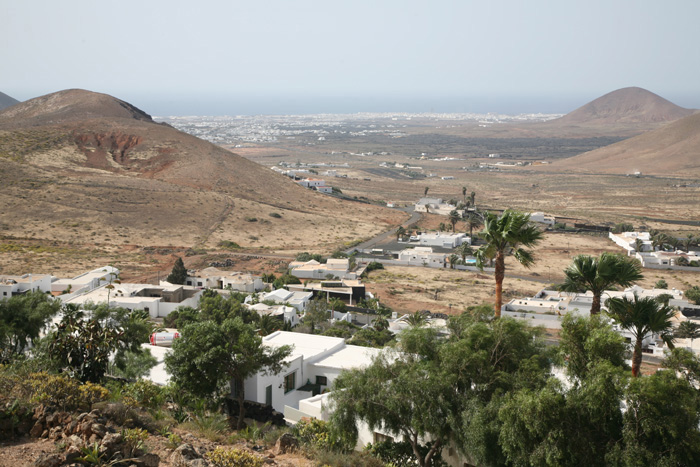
<point x="91" y="167"/>
<point x="671" y="150"/>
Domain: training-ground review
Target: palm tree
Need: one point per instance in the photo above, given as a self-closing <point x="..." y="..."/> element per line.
<point x="638" y="244"/>
<point x="400" y="232"/>
<point x="464" y="194"/>
<point x="465" y="250"/>
<point x="641" y="316"/>
<point x="425" y="192"/>
<point x="504" y="235"/>
<point x="442" y="227"/>
<point x="454" y="218"/>
<point x="688" y="330"/>
<point x="453" y="260"/>
<point x="688" y="242"/>
<point x="380" y="323"/>
<point x="417" y="319"/>
<point x="474" y="221"/>
<point x="472" y="195"/>
<point x="268" y="324"/>
<point x="598" y="274"/>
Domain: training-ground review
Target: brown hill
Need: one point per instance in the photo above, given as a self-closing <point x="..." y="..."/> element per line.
<point x="87" y="166"/>
<point x="6" y="101"/>
<point x="673" y="149"/>
<point x="624" y="106"/>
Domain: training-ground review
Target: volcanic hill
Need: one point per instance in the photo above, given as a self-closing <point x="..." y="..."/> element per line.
<point x="627" y="105"/>
<point x="87" y="167"/>
<point x="673" y="149"/>
<point x="6" y="101"/>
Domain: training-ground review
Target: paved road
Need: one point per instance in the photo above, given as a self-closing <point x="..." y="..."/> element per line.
<point x="415" y="217"/>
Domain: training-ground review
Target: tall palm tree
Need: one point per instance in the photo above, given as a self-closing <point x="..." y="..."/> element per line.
<point x="641" y="316"/>
<point x="464" y="194"/>
<point x="454" y="218"/>
<point x="472" y="196"/>
<point x="688" y="330"/>
<point x="688" y="242"/>
<point x="454" y="259"/>
<point x="425" y="192"/>
<point x="474" y="221"/>
<point x="502" y="236"/>
<point x="598" y="274"/>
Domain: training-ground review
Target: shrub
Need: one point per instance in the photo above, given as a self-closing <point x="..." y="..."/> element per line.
<point x="315" y="434"/>
<point x="229" y="245"/>
<point x="276" y="215"/>
<point x="221" y="457"/>
<point x="65" y="393"/>
<point x="134" y="439"/>
<point x="145" y="393"/>
<point x="251" y="219"/>
<point x="373" y="266"/>
<point x="661" y="284"/>
<point x="401" y="454"/>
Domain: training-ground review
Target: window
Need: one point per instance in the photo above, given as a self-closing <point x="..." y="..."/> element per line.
<point x="322" y="380"/>
<point x="381" y="438"/>
<point x="189" y="282"/>
<point x="199" y="284"/>
<point x="290" y="382"/>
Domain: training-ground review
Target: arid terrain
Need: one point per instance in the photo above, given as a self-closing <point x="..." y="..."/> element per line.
<point x="90" y="180"/>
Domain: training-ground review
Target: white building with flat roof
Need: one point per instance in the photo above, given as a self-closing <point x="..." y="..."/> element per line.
<point x="315" y="362"/>
<point x="158" y="300"/>
<point x="334" y="267"/>
<point x="16" y="285"/>
<point x="443" y="239"/>
<point x="628" y="241"/>
<point x="298" y="300"/>
<point x="422" y="256"/>
<point x="214" y="278"/>
<point x="86" y="281"/>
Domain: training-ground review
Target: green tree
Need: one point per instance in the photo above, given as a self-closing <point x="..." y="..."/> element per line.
<point x="660" y="423"/>
<point x="502" y="236"/>
<point x="208" y="356"/>
<point x="269" y="324"/>
<point x="464" y="194"/>
<point x="686" y="363"/>
<point x="425" y="191"/>
<point x="134" y="365"/>
<point x="598" y="274"/>
<point x="316" y="313"/>
<point x="688" y="330"/>
<point x="688" y="242"/>
<point x="337" y="304"/>
<point x="400" y="232"/>
<point x="454" y="218"/>
<point x="585" y="342"/>
<point x="661" y="284"/>
<point x="22" y="319"/>
<point x="693" y="294"/>
<point x="538" y="427"/>
<point x="453" y="259"/>
<point x="179" y="273"/>
<point x="641" y="316"/>
<point x="417" y="320"/>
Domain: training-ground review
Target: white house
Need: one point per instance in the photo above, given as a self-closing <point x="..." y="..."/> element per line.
<point x="15" y="285"/>
<point x="287" y="313"/>
<point x="214" y="278"/>
<point x="664" y="259"/>
<point x="422" y="256"/>
<point x="335" y="267"/>
<point x="628" y="241"/>
<point x="316" y="184"/>
<point x="158" y="300"/>
<point x="542" y="218"/>
<point x="433" y="205"/>
<point x="86" y="281"/>
<point x="298" y="300"/>
<point x="315" y="362"/>
<point x="444" y="239"/>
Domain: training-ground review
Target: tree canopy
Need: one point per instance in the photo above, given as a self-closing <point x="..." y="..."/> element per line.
<point x="210" y="355"/>
<point x="179" y="273"/>
<point x="22" y="319"/>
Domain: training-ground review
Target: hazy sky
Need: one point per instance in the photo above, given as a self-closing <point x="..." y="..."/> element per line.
<point x="294" y="56"/>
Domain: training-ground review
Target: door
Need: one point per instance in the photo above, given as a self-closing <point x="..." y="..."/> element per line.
<point x="268" y="395"/>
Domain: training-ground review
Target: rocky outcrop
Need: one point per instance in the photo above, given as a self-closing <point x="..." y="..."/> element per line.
<point x="86" y="431"/>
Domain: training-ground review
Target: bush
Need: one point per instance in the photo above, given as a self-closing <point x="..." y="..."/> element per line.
<point x="373" y="266"/>
<point x="65" y="393"/>
<point x="229" y="245"/>
<point x="134" y="439"/>
<point x="315" y="434"/>
<point x="276" y="215"/>
<point x="221" y="457"/>
<point x="251" y="219"/>
<point x="661" y="284"/>
<point x="145" y="393"/>
<point x="401" y="454"/>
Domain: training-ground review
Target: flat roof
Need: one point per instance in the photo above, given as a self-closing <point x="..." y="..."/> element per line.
<point x="304" y="345"/>
<point x="349" y="357"/>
